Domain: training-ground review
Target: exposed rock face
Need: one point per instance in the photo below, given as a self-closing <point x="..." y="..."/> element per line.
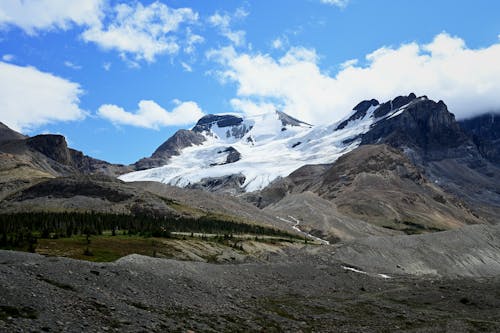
<point x="206" y="122"/>
<point x="395" y="104"/>
<point x="52" y="146"/>
<point x="172" y="147"/>
<point x="234" y="126"/>
<point x="227" y="184"/>
<point x="361" y="110"/>
<point x="7" y="134"/>
<point x="88" y="165"/>
<point x="287" y="120"/>
<point x="485" y="133"/>
<point x="233" y="155"/>
<point x="424" y="125"/>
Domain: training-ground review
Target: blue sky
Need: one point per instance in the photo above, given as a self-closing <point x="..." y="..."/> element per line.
<point x="117" y="78"/>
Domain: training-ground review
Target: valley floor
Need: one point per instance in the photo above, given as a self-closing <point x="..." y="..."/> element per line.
<point x="299" y="289"/>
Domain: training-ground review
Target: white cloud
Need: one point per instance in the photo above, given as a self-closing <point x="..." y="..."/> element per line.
<point x="280" y="43"/>
<point x="338" y="3"/>
<point x="468" y="80"/>
<point x="30" y="98"/>
<point x="191" y="41"/>
<point x="8" y="57"/>
<point x="151" y="115"/>
<point x="34" y="15"/>
<point x="72" y="65"/>
<point x="186" y="67"/>
<point x="106" y="66"/>
<point x="223" y="23"/>
<point x="349" y="63"/>
<point x="141" y="31"/>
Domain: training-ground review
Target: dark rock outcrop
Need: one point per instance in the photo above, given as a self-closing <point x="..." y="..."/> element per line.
<point x="485" y="133"/>
<point x="361" y="110"/>
<point x="172" y="147"/>
<point x="425" y="126"/>
<point x="206" y="122"/>
<point x="52" y="146"/>
<point x="232" y="156"/>
<point x="7" y="134"/>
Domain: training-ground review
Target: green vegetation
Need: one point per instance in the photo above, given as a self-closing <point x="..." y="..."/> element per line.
<point x="411" y="228"/>
<point x="107" y="237"/>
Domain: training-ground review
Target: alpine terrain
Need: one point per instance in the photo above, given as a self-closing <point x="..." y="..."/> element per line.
<point x="386" y="220"/>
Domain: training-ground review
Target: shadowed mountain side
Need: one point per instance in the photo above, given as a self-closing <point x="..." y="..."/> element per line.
<point x="485" y="133"/>
<point x="376" y="184"/>
<point x="7" y="134"/>
<point x="476" y="182"/>
<point x="472" y="251"/>
<point x="24" y="161"/>
<point x="50" y="153"/>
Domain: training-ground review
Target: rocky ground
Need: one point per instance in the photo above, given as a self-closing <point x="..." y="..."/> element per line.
<point x="300" y="290"/>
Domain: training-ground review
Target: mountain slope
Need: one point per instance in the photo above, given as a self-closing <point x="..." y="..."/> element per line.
<point x="7" y="134"/>
<point x="375" y="184"/>
<point x="485" y="133"/>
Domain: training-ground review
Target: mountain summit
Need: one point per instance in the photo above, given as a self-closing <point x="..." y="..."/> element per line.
<point x="255" y="150"/>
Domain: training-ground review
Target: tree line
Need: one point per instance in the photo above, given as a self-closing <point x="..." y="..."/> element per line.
<point x="24" y="228"/>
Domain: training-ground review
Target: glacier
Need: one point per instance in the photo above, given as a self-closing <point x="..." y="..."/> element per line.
<point x="268" y="149"/>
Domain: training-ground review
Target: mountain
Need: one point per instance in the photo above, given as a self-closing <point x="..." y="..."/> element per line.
<point x="402" y="166"/>
<point x="248" y="153"/>
<point x="406" y="164"/>
<point x="26" y="160"/>
<point x="42" y="174"/>
<point x="376" y="184"/>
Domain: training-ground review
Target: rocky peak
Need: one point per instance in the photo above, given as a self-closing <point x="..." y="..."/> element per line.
<point x="395" y="104"/>
<point x="180" y="140"/>
<point x="206" y="122"/>
<point x="227" y="126"/>
<point x="7" y="134"/>
<point x="360" y="112"/>
<point x="424" y="124"/>
<point x="51" y="145"/>
<point x="172" y="147"/>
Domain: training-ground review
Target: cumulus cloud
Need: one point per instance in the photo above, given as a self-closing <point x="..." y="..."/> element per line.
<point x="338" y="3"/>
<point x="143" y="31"/>
<point x="468" y="80"/>
<point x="151" y="115"/>
<point x="192" y="40"/>
<point x="8" y="57"/>
<point x="35" y="15"/>
<point x="72" y="65"/>
<point x="223" y="22"/>
<point x="30" y="98"/>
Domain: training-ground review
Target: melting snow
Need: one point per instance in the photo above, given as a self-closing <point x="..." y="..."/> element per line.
<point x="352" y="269"/>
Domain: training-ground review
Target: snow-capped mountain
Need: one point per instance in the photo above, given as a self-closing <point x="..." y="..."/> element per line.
<point x="258" y="149"/>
